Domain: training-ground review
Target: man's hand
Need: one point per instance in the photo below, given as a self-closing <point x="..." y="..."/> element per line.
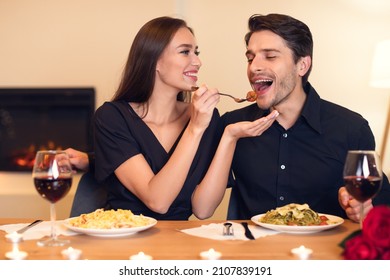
<point x="351" y="206"/>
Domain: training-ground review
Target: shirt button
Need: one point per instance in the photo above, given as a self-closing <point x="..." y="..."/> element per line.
<point x="281" y="198"/>
<point x="283" y="167"/>
<point x="285" y="135"/>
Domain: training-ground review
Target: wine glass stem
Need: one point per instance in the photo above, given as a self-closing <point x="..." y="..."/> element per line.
<point x="53" y="221"/>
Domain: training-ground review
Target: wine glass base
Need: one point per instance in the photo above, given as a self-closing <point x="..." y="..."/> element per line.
<point x="52" y="242"/>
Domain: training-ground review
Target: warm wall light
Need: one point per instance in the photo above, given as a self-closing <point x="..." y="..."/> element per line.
<point x="380" y="78"/>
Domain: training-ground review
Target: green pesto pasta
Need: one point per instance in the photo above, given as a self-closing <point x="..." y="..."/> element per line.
<point x="292" y="214"/>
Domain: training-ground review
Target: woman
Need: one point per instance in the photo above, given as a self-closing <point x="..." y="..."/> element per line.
<point x="152" y="149"/>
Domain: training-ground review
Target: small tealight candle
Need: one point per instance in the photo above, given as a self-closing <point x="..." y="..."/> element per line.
<point x="16" y="255"/>
<point x="71" y="253"/>
<point x="141" y="256"/>
<point x="211" y="254"/>
<point x="302" y="252"/>
<point x="15" y="238"/>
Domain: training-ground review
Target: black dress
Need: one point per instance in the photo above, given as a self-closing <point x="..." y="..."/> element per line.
<point x="121" y="134"/>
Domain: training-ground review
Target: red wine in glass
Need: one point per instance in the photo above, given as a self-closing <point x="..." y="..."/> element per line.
<point x="362" y="188"/>
<point x="52" y="189"/>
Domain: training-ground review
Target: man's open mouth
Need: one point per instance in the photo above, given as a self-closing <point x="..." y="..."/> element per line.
<point x="263" y="84"/>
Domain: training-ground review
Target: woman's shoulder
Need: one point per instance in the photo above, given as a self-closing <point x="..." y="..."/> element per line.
<point x="113" y="107"/>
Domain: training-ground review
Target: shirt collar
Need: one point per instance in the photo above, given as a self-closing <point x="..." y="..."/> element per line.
<point x="311" y="111"/>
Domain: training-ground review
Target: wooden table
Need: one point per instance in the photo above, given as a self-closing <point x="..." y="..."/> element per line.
<point x="165" y="241"/>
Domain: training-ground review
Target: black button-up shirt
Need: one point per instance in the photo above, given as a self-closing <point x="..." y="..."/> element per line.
<point x="303" y="164"/>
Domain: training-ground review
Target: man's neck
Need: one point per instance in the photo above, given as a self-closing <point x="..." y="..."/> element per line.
<point x="291" y="108"/>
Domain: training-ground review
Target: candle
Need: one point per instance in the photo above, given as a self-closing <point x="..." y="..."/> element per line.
<point x="71" y="253"/>
<point x="15" y="254"/>
<point x="14" y="237"/>
<point x="211" y="254"/>
<point x="141" y="256"/>
<point x="302" y="252"/>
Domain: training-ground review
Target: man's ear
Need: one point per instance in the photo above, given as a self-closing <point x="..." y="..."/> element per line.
<point x="304" y="65"/>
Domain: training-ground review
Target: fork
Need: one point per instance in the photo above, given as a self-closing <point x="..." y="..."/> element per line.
<point x="238" y="100"/>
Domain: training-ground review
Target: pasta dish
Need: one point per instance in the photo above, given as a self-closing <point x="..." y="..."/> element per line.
<point x="294" y="215"/>
<point x="109" y="219"/>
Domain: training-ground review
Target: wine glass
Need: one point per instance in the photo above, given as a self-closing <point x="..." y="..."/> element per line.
<point x="362" y="176"/>
<point x="52" y="175"/>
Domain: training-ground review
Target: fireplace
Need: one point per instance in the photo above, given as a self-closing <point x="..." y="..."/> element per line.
<point x="34" y="119"/>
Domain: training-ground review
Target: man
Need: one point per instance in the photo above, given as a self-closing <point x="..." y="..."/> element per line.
<point x="300" y="158"/>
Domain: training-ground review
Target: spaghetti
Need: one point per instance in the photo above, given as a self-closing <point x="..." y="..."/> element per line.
<point x="109" y="219"/>
<point x="294" y="215"/>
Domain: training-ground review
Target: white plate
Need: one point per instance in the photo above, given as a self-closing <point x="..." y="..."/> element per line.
<point x="334" y="220"/>
<point x="115" y="232"/>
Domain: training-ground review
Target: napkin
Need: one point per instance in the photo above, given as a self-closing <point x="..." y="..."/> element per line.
<point x="40" y="230"/>
<point x="214" y="231"/>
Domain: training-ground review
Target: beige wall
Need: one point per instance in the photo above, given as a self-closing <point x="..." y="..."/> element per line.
<point x="85" y="43"/>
